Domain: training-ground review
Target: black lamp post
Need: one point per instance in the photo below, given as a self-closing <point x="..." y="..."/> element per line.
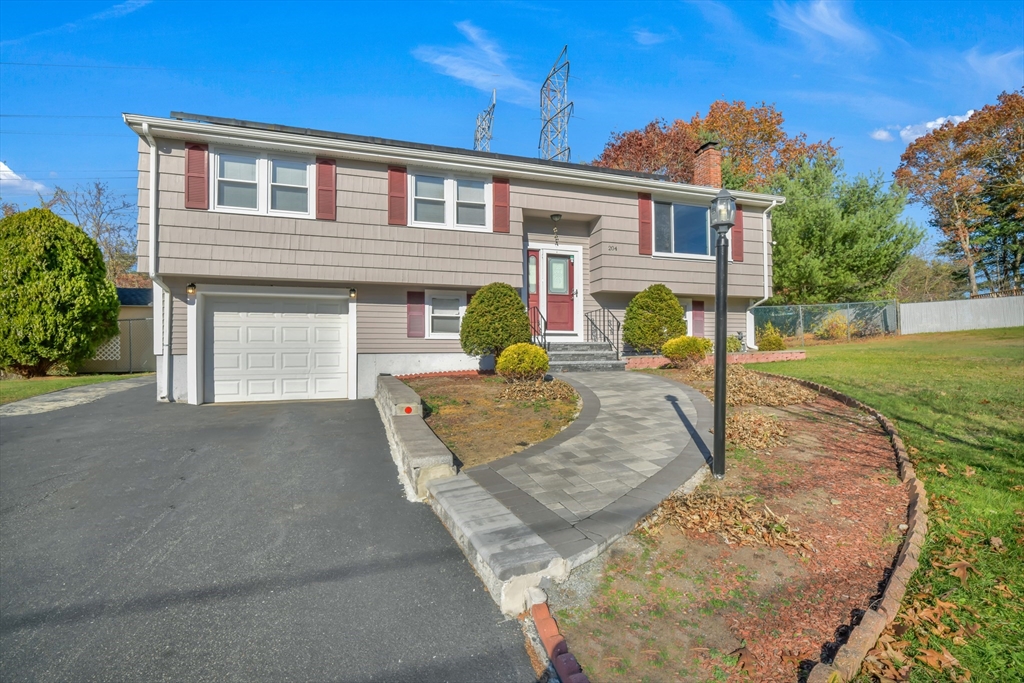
<point x="723" y="216"/>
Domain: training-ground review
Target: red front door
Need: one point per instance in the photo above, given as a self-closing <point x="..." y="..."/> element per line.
<point x="533" y="289"/>
<point x="560" y="305"/>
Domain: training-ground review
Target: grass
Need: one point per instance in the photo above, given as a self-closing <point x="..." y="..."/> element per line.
<point x="958" y="402"/>
<point x="17" y="389"/>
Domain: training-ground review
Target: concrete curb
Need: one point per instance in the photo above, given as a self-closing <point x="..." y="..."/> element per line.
<point x="847" y="662"/>
<point x="416" y="450"/>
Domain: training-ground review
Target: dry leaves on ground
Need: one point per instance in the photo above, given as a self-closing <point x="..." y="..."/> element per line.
<point x="744" y="387"/>
<point x="755" y="431"/>
<point x="555" y="390"/>
<point x="733" y="519"/>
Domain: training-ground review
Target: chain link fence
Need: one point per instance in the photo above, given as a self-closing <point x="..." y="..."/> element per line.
<point x="130" y="351"/>
<point x="820" y="323"/>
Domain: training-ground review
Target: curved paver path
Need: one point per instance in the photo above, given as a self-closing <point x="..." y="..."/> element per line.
<point x="638" y="438"/>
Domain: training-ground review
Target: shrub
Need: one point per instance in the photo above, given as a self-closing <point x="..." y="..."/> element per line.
<point x="733" y="345"/>
<point x="683" y="352"/>
<point x="495" y="319"/>
<point x="770" y="339"/>
<point x="56" y="304"/>
<point x="835" y="325"/>
<point x="522" y="363"/>
<point x="653" y="317"/>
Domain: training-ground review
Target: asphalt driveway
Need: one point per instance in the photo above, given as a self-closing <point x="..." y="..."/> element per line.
<point x="229" y="543"/>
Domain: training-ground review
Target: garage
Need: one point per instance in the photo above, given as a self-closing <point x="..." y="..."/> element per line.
<point x="275" y="348"/>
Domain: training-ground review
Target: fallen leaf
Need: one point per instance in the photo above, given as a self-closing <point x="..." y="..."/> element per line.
<point x="912" y="451"/>
<point x="748" y="662"/>
<point x="997" y="544"/>
<point x="931" y="658"/>
<point x="939" y="441"/>
<point x="985" y="401"/>
<point x="941" y="469"/>
<point x="1003" y="590"/>
<point x="960" y="570"/>
<point x="968" y="471"/>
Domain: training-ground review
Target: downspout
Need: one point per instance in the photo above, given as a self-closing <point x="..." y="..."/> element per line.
<point x="751" y="334"/>
<point x="165" y="292"/>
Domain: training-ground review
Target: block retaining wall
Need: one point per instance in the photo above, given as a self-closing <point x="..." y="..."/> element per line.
<point x="648" y="362"/>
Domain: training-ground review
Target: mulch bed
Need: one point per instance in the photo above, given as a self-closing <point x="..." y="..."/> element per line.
<point x="757" y="576"/>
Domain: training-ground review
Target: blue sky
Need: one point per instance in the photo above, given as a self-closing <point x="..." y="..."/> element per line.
<point x="869" y="75"/>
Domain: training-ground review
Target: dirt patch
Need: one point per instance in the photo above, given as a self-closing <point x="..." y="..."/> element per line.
<point x="692" y="605"/>
<point x="480" y="421"/>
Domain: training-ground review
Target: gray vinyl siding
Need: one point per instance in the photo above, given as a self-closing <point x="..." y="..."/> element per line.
<point x="575" y="233"/>
<point x="179" y="316"/>
<point x="381" y="323"/>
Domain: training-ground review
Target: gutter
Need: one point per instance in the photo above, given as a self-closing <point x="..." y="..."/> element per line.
<point x="165" y="291"/>
<point x="764" y="263"/>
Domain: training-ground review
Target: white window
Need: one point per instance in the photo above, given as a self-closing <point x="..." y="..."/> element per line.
<point x="442" y="201"/>
<point x="444" y="312"/>
<point x="262" y="183"/>
<point x="683" y="230"/>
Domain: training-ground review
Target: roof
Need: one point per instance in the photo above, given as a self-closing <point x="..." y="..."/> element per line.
<point x="218" y="130"/>
<point x="135" y="296"/>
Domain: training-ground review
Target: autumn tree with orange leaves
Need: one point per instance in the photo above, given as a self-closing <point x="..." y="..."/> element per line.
<point x="971" y="177"/>
<point x="754" y="145"/>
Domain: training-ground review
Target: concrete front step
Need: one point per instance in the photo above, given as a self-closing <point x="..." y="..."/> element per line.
<point x="561" y="356"/>
<point x="587" y="366"/>
<point x="555" y="346"/>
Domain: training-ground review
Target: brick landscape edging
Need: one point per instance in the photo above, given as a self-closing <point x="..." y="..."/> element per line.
<point x="557" y="650"/>
<point x="847" y="662"/>
<point x="648" y="362"/>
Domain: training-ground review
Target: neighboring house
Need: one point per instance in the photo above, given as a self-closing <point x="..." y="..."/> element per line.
<point x="132" y="349"/>
<point x="298" y="264"/>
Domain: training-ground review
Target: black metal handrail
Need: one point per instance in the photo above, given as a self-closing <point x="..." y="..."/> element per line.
<point x="538" y="328"/>
<point x="603" y="326"/>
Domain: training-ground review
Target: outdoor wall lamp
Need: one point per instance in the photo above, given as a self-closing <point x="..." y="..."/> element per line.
<point x="352" y="293"/>
<point x="723" y="216"/>
<point x="190" y="289"/>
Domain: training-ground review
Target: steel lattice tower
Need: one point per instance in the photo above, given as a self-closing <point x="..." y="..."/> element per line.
<point x="484" y="122"/>
<point x="555" y="111"/>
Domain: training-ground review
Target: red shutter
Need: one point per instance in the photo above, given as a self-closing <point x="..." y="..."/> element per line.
<point x="326" y="195"/>
<point x="737" y="235"/>
<point x="197" y="182"/>
<point x="501" y="201"/>
<point x="397" y="205"/>
<point x="646" y="223"/>
<point x="698" y="319"/>
<point x="416" y="324"/>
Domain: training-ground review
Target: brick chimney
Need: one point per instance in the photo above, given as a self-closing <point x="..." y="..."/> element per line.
<point x="707" y="167"/>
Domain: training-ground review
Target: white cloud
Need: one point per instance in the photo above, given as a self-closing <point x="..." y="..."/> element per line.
<point x="910" y="133"/>
<point x="113" y="12"/>
<point x="481" y="64"/>
<point x="645" y="37"/>
<point x="821" y="19"/>
<point x="882" y="135"/>
<point x="1003" y="69"/>
<point x="11" y="181"/>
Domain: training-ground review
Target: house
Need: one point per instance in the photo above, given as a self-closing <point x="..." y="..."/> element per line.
<point x="291" y="263"/>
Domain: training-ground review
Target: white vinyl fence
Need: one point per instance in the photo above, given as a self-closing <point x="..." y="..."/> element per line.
<point x="966" y="314"/>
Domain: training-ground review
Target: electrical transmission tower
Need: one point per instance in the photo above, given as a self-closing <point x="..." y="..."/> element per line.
<point x="555" y="111"/>
<point x="484" y="122"/>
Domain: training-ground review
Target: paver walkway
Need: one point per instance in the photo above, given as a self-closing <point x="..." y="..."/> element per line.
<point x="638" y="438"/>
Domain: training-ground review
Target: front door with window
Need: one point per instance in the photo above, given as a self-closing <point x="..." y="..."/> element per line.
<point x="552" y="289"/>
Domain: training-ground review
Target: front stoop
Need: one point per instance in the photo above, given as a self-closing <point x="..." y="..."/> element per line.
<point x="583" y="357"/>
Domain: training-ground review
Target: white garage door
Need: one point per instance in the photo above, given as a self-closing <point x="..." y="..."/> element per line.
<point x="275" y="349"/>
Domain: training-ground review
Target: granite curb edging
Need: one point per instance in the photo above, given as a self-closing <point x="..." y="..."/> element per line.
<point x="846" y="664"/>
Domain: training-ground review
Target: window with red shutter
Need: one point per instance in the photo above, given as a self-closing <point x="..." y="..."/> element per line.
<point x="646" y="224"/>
<point x="326" y="195"/>
<point x="416" y="326"/>
<point x="737" y="235"/>
<point x="698" y="319"/>
<point x="501" y="201"/>
<point x="197" y="180"/>
<point x="398" y="206"/>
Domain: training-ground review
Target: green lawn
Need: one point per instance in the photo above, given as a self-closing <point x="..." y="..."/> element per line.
<point x="958" y="401"/>
<point x="17" y="389"/>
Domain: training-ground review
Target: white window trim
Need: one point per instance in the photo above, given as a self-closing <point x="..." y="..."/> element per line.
<point x="428" y="311"/>
<point x="263" y="176"/>
<point x="685" y="257"/>
<point x="449" y="201"/>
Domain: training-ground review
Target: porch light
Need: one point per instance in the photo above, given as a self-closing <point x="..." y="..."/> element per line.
<point x="352" y="293"/>
<point x="555" y="217"/>
<point x="190" y="289"/>
<point x="723" y="216"/>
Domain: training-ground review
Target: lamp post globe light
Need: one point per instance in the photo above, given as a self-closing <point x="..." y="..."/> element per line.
<point x="723" y="216"/>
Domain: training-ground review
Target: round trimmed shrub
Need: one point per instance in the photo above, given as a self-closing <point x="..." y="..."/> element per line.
<point x="495" y="319"/>
<point x="770" y="339"/>
<point x="684" y="352"/>
<point x="56" y="304"/>
<point x="652" y="318"/>
<point x="522" y="363"/>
